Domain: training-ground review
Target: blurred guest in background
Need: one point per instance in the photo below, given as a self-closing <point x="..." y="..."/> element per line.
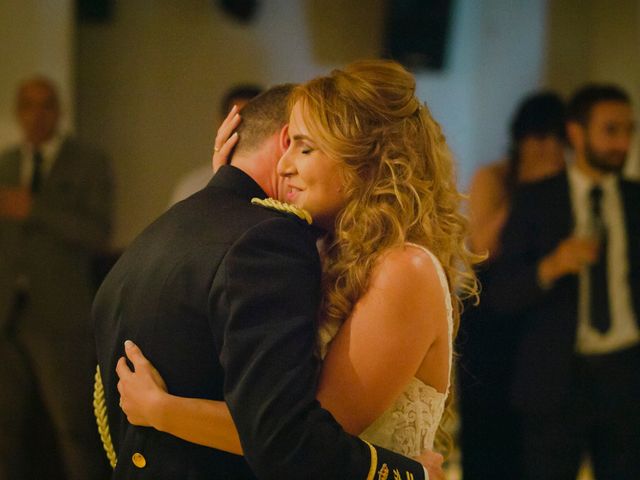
<point x="490" y="439"/>
<point x="55" y="213"/>
<point x="198" y="178"/>
<point x="570" y="270"/>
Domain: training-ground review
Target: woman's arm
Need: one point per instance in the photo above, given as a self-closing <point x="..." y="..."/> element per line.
<point x="381" y="347"/>
<point x="371" y="360"/>
<point x="146" y="402"/>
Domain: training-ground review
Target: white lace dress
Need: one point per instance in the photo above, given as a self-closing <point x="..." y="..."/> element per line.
<point x="409" y="426"/>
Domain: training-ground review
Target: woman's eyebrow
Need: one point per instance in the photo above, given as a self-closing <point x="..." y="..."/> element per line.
<point x="302" y="137"/>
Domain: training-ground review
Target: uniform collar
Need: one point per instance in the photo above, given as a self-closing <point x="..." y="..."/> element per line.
<point x="231" y="178"/>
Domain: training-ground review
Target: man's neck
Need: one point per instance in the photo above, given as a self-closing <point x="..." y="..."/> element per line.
<point x="260" y="168"/>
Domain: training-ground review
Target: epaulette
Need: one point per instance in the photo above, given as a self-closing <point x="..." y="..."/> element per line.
<point x="279" y="206"/>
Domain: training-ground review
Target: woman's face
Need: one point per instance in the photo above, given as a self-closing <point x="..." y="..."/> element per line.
<point x="313" y="180"/>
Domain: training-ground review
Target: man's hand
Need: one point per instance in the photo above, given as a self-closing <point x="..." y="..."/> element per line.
<point x="15" y="203"/>
<point x="432" y="461"/>
<point x="569" y="257"/>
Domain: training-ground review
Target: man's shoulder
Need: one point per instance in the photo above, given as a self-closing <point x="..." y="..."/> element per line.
<point x="268" y="235"/>
<point x="225" y="217"/>
<point x="276" y="228"/>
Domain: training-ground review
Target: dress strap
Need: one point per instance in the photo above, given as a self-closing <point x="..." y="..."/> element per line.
<point x="442" y="276"/>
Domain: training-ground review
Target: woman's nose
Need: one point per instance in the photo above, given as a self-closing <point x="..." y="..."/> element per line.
<point x="285" y="165"/>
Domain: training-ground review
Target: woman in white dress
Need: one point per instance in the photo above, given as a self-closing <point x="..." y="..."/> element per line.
<point x="372" y="167"/>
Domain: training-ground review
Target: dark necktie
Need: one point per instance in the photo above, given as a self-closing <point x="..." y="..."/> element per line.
<point x="599" y="281"/>
<point x="36" y="177"/>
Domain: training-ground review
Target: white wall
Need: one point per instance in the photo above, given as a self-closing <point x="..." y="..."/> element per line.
<point x="496" y="57"/>
<point x="35" y="37"/>
<point x="149" y="81"/>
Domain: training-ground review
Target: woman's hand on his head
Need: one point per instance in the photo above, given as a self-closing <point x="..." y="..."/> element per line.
<point x="142" y="389"/>
<point x="226" y="139"/>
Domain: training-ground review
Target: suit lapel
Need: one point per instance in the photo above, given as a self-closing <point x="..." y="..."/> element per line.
<point x="565" y="207"/>
<point x="630" y="192"/>
<point x="555" y="213"/>
<point x="59" y="182"/>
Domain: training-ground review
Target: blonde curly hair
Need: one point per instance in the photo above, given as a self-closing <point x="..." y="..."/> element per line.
<point x="398" y="179"/>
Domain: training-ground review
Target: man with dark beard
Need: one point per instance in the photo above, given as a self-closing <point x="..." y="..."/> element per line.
<point x="571" y="268"/>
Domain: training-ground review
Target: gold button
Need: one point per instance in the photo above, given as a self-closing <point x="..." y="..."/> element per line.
<point x="139" y="460"/>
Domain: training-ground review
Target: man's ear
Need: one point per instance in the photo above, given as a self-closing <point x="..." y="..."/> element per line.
<point x="576" y="134"/>
<point x="283" y="139"/>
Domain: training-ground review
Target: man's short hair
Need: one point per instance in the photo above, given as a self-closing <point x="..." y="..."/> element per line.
<point x="245" y="91"/>
<point x="263" y="116"/>
<point x="583" y="101"/>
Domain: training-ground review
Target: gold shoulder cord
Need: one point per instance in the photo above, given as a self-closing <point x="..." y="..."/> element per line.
<point x="279" y="206"/>
<point x="100" y="411"/>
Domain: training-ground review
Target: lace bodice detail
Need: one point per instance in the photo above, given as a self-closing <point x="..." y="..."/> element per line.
<point x="409" y="426"/>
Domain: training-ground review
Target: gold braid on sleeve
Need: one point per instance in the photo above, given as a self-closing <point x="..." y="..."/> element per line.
<point x="100" y="412"/>
<point x="274" y="204"/>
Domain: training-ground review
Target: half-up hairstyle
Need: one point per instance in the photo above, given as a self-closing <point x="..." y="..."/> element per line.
<point x="398" y="177"/>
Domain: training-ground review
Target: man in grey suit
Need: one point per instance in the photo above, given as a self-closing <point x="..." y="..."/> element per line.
<point x="55" y="214"/>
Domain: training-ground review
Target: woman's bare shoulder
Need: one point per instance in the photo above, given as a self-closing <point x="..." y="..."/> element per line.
<point x="410" y="275"/>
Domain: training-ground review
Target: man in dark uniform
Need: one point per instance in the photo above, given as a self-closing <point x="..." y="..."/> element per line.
<point x="222" y="295"/>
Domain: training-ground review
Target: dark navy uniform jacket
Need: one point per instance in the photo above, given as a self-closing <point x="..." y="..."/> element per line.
<point x="222" y="297"/>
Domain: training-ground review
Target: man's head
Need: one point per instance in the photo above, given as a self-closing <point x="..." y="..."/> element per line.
<point x="239" y="95"/>
<point x="600" y="126"/>
<point x="263" y="138"/>
<point x="37" y="109"/>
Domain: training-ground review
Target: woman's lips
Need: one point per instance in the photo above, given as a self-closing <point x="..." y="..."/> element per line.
<point x="292" y="193"/>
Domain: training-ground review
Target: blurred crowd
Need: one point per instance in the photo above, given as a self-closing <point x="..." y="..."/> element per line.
<point x="548" y="358"/>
